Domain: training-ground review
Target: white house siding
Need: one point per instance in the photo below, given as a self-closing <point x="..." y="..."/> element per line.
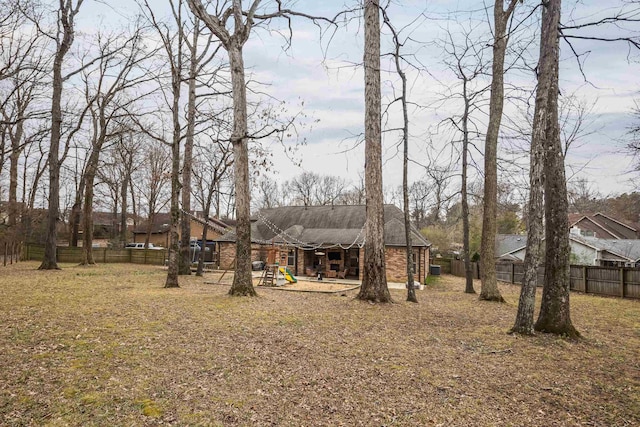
<point x="582" y="254"/>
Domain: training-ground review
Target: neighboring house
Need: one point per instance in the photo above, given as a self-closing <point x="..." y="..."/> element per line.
<point x="606" y="252"/>
<point x="510" y="247"/>
<point x="32" y="223"/>
<point x="106" y="226"/>
<point x="602" y="226"/>
<point x="162" y="223"/>
<point x="328" y="239"/>
<point x="584" y="250"/>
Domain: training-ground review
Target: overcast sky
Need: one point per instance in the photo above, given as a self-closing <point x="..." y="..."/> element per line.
<point x="324" y="74"/>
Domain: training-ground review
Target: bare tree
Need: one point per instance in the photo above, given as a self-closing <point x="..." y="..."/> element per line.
<point x="465" y="58"/>
<point x="212" y="167"/>
<point x="154" y="182"/>
<point x="304" y="187"/>
<point x="374" y="281"/>
<point x="398" y="60"/>
<point x="489" y="290"/>
<point x="554" y="310"/>
<point x="173" y="45"/>
<point x="329" y="190"/>
<point x="117" y="166"/>
<point x="23" y="65"/>
<point x="355" y="194"/>
<point x="233" y="42"/>
<point x="269" y="195"/>
<point x="543" y="129"/>
<point x="113" y="77"/>
<point x="634" y="144"/>
<point x="199" y="57"/>
<point x="419" y="193"/>
<point x="64" y="37"/>
<point x="18" y="109"/>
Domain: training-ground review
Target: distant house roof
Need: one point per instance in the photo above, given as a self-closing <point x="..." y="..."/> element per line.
<point x="603" y="226"/>
<point x="162" y="222"/>
<point x="506" y="244"/>
<point x="213" y="223"/>
<point x="629" y="249"/>
<point x="325" y="226"/>
<point x="624" y="248"/>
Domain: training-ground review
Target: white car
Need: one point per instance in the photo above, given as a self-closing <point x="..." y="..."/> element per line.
<point x="141" y="246"/>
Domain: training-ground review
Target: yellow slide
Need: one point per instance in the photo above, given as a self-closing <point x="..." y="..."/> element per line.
<point x="287" y="275"/>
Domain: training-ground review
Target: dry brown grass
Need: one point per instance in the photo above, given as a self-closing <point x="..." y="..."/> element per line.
<point x="108" y="346"/>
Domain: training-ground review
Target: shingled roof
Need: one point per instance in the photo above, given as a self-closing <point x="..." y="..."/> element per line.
<point x="509" y="243"/>
<point x="604" y="226"/>
<point x="325" y="226"/>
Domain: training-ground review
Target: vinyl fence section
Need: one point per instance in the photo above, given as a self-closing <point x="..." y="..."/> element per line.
<point x="609" y="281"/>
<point x="102" y="255"/>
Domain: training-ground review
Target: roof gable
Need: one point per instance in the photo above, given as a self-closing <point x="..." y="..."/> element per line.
<point x="509" y="243"/>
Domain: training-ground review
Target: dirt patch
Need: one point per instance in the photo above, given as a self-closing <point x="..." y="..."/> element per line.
<point x="109" y="346"/>
<point x="323" y="286"/>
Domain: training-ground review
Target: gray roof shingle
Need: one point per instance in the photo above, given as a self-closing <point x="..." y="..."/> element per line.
<point x="325" y="226"/>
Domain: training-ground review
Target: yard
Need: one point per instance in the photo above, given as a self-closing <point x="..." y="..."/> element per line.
<point x="108" y="346"/>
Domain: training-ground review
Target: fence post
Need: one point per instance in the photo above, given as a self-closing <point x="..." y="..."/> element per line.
<point x="513" y="273"/>
<point x="622" y="282"/>
<point x="5" y="253"/>
<point x="104" y="255"/>
<point x="585" y="284"/>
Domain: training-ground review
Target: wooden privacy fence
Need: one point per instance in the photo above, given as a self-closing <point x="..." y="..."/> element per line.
<point x="457" y="268"/>
<point x="610" y="281"/>
<point x="9" y="252"/>
<point x="444" y="263"/>
<point x="101" y="255"/>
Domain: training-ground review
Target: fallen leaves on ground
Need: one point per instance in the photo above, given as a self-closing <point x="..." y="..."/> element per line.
<point x="107" y="345"/>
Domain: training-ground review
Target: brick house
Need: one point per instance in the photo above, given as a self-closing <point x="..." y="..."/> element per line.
<point x="159" y="228"/>
<point x="328" y="239"/>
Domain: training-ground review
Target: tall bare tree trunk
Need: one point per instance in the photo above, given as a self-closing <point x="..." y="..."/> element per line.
<point x="554" y="310"/>
<point x="374" y="281"/>
<point x="14" y="157"/>
<point x="411" y="292"/>
<point x="74" y="216"/>
<point x="489" y="290"/>
<point x="233" y="43"/>
<point x="541" y="132"/>
<point x="124" y="206"/>
<point x="468" y="272"/>
<point x="66" y="16"/>
<point x="185" y="254"/>
<point x="526" y="304"/>
<point x="87" y="210"/>
<point x="242" y="283"/>
<point x="174" y="211"/>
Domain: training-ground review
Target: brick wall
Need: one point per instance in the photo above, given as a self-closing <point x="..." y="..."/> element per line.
<point x="397" y="263"/>
<point x="228" y="253"/>
<point x="395" y="259"/>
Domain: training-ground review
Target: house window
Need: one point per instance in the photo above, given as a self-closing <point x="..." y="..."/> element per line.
<point x="291" y="257"/>
<point x="415" y="262"/>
